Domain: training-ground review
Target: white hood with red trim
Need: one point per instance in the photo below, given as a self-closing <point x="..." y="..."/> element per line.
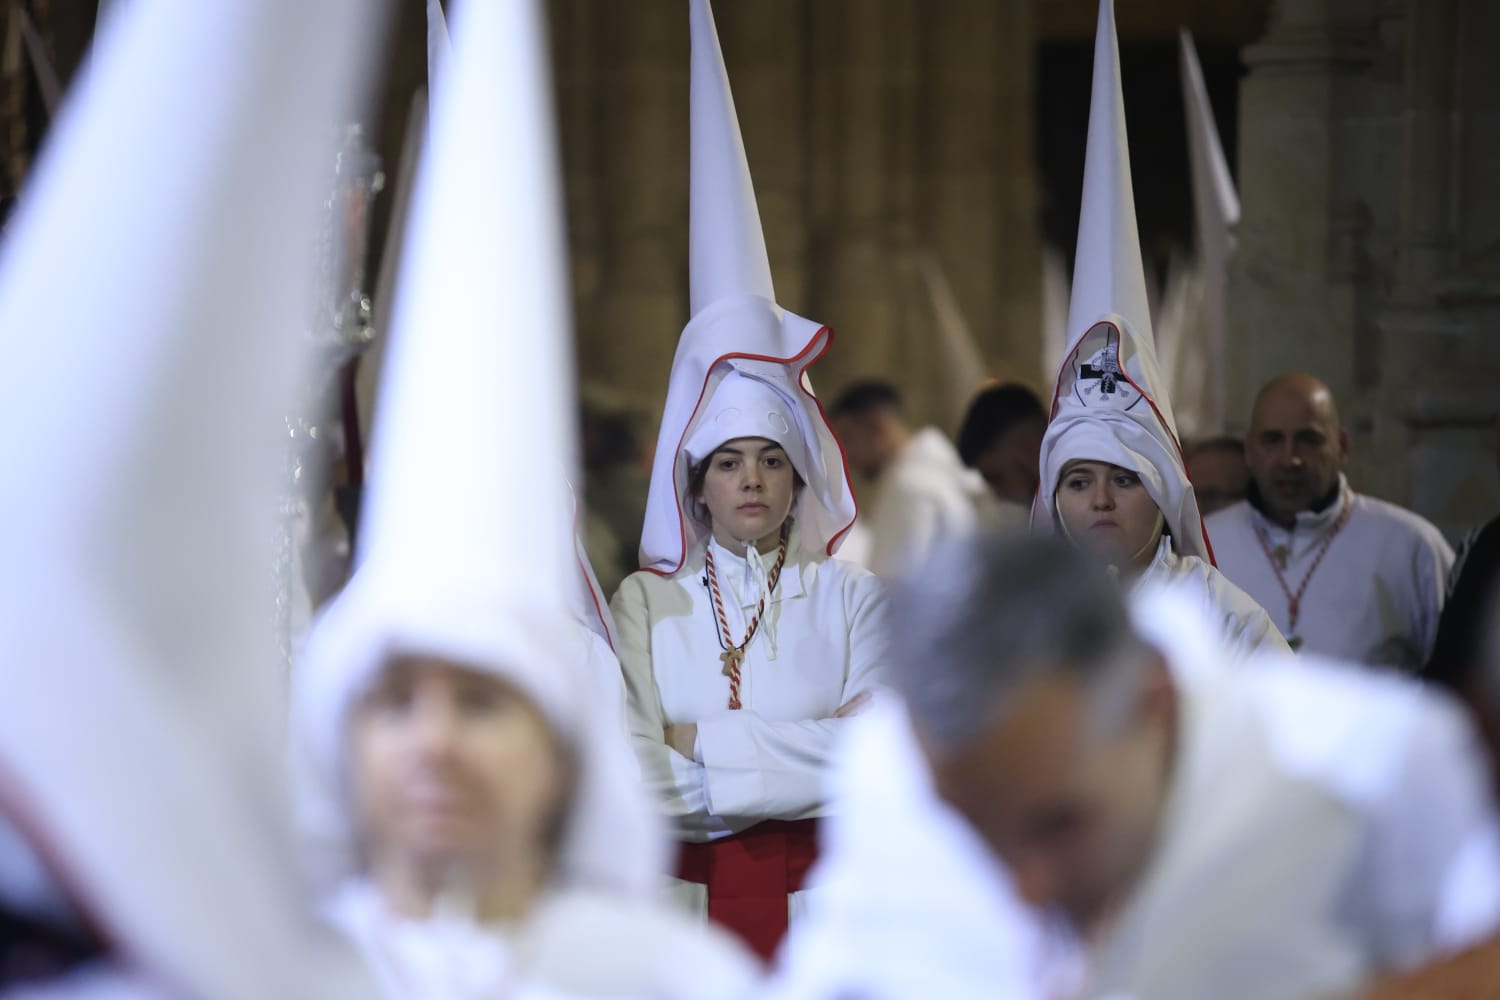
<point x="1111" y="400"/>
<point x="738" y="328"/>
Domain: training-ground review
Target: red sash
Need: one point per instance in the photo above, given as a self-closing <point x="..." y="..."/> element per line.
<point x="749" y="876"/>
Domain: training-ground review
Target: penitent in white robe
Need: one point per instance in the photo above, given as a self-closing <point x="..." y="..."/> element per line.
<point x="1324" y="825"/>
<point x="1320" y="831"/>
<point x="913" y="903"/>
<point x="1375" y="597"/>
<point x="822" y="643"/>
<point x="925" y="497"/>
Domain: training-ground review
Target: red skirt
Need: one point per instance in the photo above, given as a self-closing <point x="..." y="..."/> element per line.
<point x="749" y="876"/>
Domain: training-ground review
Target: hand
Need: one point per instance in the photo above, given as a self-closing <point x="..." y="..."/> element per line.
<point x="681" y="738"/>
<point x="853" y="706"/>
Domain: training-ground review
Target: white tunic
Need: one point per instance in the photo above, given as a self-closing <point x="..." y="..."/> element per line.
<point x="911" y="902"/>
<point x="1324" y="825"/>
<point x="821" y="644"/>
<point x="925" y="497"/>
<point x="1311" y="841"/>
<point x="1244" y="626"/>
<point x="573" y="945"/>
<point x="1376" y="596"/>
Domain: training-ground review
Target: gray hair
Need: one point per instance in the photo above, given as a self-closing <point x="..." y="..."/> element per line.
<point x="985" y="615"/>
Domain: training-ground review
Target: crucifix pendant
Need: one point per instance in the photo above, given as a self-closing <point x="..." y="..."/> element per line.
<point x="1281" y="553"/>
<point x="731" y="658"/>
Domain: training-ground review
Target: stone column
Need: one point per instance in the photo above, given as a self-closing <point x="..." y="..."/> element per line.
<point x="575" y="34"/>
<point x="1315" y="130"/>
<point x="979" y="184"/>
<point x="851" y="283"/>
<point x="643" y="188"/>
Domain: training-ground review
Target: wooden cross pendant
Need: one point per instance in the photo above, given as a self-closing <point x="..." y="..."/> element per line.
<point x="731" y="658"/>
<point x="1281" y="553"/>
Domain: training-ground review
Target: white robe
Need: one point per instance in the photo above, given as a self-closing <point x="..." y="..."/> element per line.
<point x="573" y="945"/>
<point x="1311" y="842"/>
<point x="821" y="644"/>
<point x="913" y="904"/>
<point x="1323" y="825"/>
<point x="1244" y="625"/>
<point x="1377" y="594"/>
<point x="925" y="497"/>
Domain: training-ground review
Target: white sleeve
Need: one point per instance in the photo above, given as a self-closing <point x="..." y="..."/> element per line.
<point x="1469" y="903"/>
<point x="755" y="767"/>
<point x="1434" y="561"/>
<point x="1435" y="891"/>
<point x="906" y="526"/>
<point x="669" y="777"/>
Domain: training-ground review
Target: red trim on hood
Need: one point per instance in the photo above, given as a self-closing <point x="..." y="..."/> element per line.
<point x="682" y="441"/>
<point x="15" y="806"/>
<point x="1208" y="546"/>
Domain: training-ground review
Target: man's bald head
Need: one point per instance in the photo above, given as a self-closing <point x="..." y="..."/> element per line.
<point x="1296" y="447"/>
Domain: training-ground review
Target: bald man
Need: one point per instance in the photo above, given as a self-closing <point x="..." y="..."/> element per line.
<point x="1341" y="574"/>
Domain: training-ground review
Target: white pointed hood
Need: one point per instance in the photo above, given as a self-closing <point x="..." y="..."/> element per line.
<point x="738" y="336"/>
<point x="439" y="48"/>
<point x="963" y="366"/>
<point x="151" y="343"/>
<point x="1111" y="404"/>
<point x="466" y="547"/>
<point x="1216" y="211"/>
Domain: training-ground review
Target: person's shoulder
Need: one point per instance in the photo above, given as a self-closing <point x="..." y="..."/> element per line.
<point x="833" y="573"/>
<point x="1232" y="520"/>
<point x="644" y="583"/>
<point x="1351" y="728"/>
<point x="638" y="945"/>
<point x="1396" y="518"/>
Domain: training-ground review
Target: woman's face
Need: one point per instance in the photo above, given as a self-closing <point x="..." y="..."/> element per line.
<point x="748" y="489"/>
<point x="1107" y="509"/>
<point x="454" y="770"/>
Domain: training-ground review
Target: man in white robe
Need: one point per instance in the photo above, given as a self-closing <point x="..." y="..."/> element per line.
<point x="924" y="495"/>
<point x="1340" y="573"/>
<point x="1278" y="829"/>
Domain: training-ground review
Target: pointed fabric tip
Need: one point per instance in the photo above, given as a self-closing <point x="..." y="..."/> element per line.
<point x="480" y="344"/>
<point x="1215" y="200"/>
<point x="726" y="247"/>
<point x="439" y="48"/>
<point x="1216" y="211"/>
<point x="1107" y="273"/>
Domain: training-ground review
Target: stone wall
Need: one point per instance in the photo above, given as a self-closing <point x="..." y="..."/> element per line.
<point x="1369" y="137"/>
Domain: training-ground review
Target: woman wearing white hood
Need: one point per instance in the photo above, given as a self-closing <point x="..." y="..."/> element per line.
<point x="467" y="784"/>
<point x="744" y="645"/>
<point x="1113" y="477"/>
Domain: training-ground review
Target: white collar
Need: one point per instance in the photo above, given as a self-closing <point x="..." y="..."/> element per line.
<point x="1315" y="521"/>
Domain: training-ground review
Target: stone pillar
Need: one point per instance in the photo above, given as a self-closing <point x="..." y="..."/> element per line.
<point x="1433" y="400"/>
<point x="575" y="60"/>
<point x="851" y="282"/>
<point x="643" y="151"/>
<point x="1315" y="130"/>
<point x="979" y="185"/>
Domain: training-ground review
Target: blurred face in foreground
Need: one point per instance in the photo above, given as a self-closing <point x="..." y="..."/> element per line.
<point x="1069" y="785"/>
<point x="458" y="780"/>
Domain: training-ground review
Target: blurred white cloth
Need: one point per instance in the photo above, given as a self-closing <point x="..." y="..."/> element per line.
<point x="912" y="903"/>
<point x="576" y="944"/>
<point x="925" y="497"/>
